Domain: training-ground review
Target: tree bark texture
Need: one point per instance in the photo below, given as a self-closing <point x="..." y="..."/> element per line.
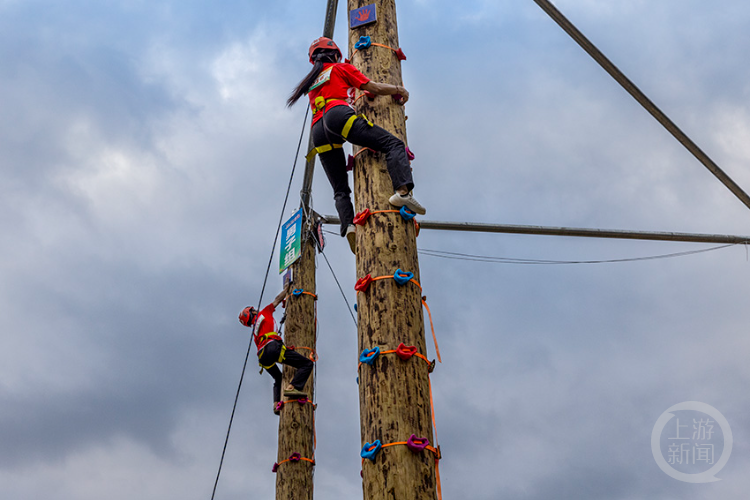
<point x="294" y="480"/>
<point x="394" y="394"/>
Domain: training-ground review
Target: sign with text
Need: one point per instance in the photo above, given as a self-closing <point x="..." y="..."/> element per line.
<point x="363" y="15"/>
<point x="291" y="241"/>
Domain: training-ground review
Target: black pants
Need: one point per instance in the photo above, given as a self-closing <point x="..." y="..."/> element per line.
<point x="269" y="355"/>
<point x="361" y="134"/>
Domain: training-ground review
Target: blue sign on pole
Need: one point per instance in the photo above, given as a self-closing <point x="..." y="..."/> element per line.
<point x="363" y="15"/>
<point x="291" y="241"/>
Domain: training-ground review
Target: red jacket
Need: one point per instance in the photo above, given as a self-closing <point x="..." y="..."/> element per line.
<point x="334" y="82"/>
<point x="264" y="329"/>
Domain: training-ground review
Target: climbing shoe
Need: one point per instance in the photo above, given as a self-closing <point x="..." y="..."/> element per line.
<point x="400" y="200"/>
<point x="295" y="394"/>
<point x="351" y="237"/>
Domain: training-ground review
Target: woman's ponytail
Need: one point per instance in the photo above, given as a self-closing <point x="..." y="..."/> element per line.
<point x="319" y="57"/>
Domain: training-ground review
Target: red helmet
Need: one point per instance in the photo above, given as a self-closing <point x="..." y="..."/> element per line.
<point x="323" y="43"/>
<point x="247" y="316"/>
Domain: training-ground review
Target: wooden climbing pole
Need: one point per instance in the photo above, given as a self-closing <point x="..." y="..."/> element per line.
<point x="296" y="452"/>
<point x="394" y="393"/>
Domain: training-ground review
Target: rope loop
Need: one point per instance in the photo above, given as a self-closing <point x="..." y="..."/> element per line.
<point x="403" y="351"/>
<point x="294" y="457"/>
<point x="415" y="444"/>
<point x="299" y="291"/>
<point x="300" y="401"/>
<point x="365" y="42"/>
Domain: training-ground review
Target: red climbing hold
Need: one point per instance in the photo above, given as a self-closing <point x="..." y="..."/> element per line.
<point x="363" y="283"/>
<point x="405" y="352"/>
<point x="361" y="218"/>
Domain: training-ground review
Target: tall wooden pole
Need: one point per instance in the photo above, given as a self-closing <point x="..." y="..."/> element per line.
<point x="294" y="480"/>
<point x="394" y="394"/>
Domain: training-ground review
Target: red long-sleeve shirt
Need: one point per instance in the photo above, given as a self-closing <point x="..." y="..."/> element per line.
<point x="265" y="324"/>
<point x="334" y="82"/>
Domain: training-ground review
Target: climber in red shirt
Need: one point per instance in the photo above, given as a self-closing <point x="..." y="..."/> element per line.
<point x="271" y="350"/>
<point x="334" y="122"/>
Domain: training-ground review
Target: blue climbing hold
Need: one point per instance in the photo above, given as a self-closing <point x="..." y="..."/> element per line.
<point x="406" y="213"/>
<point x="355" y="307"/>
<point x="402" y="277"/>
<point x="363" y="43"/>
<point x="297" y="292"/>
<point x="370" y="450"/>
<point x="369" y="355"/>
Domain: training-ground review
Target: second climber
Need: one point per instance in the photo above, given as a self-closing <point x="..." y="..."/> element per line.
<point x="271" y="350"/>
<point x="334" y="122"/>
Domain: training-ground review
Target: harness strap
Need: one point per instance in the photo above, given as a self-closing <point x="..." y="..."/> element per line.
<point x="321" y="103"/>
<point x="282" y="354"/>
<point x="348" y="125"/>
<point x="322" y="149"/>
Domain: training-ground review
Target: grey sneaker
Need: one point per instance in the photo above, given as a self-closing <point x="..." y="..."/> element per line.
<point x="295" y="394"/>
<point x="351" y="236"/>
<point x="400" y="200"/>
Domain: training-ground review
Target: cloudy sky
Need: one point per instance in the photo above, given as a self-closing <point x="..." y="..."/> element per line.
<point x="145" y="152"/>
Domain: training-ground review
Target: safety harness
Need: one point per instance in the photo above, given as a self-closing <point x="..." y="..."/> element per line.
<point x="268" y="337"/>
<point x="320" y="106"/>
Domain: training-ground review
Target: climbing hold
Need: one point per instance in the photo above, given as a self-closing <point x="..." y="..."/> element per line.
<point x="405" y="352"/>
<point x="361" y="218"/>
<point x="416" y="444"/>
<point x="275" y="467"/>
<point x="369" y="356"/>
<point x="279" y="406"/>
<point x="355" y="307"/>
<point x="400" y="54"/>
<point x="363" y="43"/>
<point x="369" y="94"/>
<point x="350" y="163"/>
<point x="370" y="450"/>
<point x="431" y="368"/>
<point x="402" y="277"/>
<point x="409" y="154"/>
<point x="363" y="283"/>
<point x="406" y="213"/>
<point x="297" y="292"/>
<point x="295" y="457"/>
